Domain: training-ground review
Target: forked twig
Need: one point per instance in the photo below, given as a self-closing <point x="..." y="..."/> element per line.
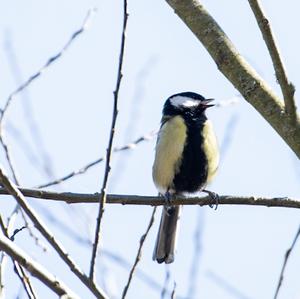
<point x="139" y="254"/>
<point x="49" y="62"/>
<point x="102" y="198"/>
<point x="83" y="169"/>
<point x="287" y="88"/>
<point x="19" y="197"/>
<point x="35" y="269"/>
<point x="286" y="257"/>
<point x="8" y="156"/>
<point x="25" y="85"/>
<point x="18" y="268"/>
<point x="130" y="146"/>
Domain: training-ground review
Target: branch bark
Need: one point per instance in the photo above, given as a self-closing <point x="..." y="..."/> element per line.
<point x="34" y="268"/>
<point x="73" y="198"/>
<point x="237" y="70"/>
<point x="19" y="197"/>
<point x="102" y="197"/>
<point x="287" y="88"/>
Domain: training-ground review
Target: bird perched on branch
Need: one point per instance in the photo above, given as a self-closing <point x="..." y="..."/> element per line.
<point x="186" y="159"/>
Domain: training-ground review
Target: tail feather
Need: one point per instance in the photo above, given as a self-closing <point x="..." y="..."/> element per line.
<point x="165" y="246"/>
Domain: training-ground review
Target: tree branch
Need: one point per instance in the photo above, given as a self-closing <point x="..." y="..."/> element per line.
<point x="19" y="197"/>
<point x="238" y="71"/>
<point x="139" y="254"/>
<point x="102" y="198"/>
<point x="34" y="268"/>
<point x="83" y="169"/>
<point x="49" y="62"/>
<point x="6" y="229"/>
<point x="286" y="257"/>
<point x="287" y="88"/>
<point x="72" y="198"/>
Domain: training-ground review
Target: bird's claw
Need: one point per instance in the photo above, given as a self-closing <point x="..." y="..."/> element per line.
<point x="214" y="198"/>
<point x="168" y="202"/>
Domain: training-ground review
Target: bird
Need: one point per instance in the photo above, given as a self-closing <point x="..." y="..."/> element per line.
<point x="186" y="160"/>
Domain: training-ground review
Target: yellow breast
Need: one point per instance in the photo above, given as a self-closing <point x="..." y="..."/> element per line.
<point x="169" y="149"/>
<point x="210" y="148"/>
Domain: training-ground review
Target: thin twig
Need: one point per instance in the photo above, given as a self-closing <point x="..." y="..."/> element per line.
<point x="36" y="239"/>
<point x="2" y="262"/>
<point x="139" y="254"/>
<point x="166" y="282"/>
<point x="194" y="269"/>
<point x="287" y="88"/>
<point x="173" y="295"/>
<point x="69" y="197"/>
<point x="128" y="146"/>
<point x="135" y="113"/>
<point x="225" y="285"/>
<point x="21" y="142"/>
<point x="18" y="268"/>
<point x="237" y="70"/>
<point x="34" y="268"/>
<point x="25" y="280"/>
<point x="19" y="197"/>
<point x="46" y="162"/>
<point x="286" y="257"/>
<point x="122" y="262"/>
<point x="16" y="231"/>
<point x="8" y="156"/>
<point x="49" y="62"/>
<point x="25" y="85"/>
<point x="102" y="198"/>
<point x="83" y="169"/>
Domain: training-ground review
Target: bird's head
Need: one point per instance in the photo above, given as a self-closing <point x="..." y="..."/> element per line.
<point x="188" y="104"/>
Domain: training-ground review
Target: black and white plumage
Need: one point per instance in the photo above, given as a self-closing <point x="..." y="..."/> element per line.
<point x="186" y="160"/>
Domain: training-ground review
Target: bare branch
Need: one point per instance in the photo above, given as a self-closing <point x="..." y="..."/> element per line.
<point x="36" y="239"/>
<point x="173" y="295"/>
<point x="47" y="64"/>
<point x="12" y="190"/>
<point x="102" y="198"/>
<point x="139" y="254"/>
<point x="16" y="231"/>
<point x="82" y="170"/>
<point x="72" y="198"/>
<point x="45" y="162"/>
<point x="83" y="240"/>
<point x="6" y="229"/>
<point x="198" y="250"/>
<point x="287" y="88"/>
<point x="34" y="268"/>
<point x="129" y="146"/>
<point x="244" y="78"/>
<point x="8" y="156"/>
<point x="166" y="282"/>
<point x="18" y="269"/>
<point x="286" y="257"/>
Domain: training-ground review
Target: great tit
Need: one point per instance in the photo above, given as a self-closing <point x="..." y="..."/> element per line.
<point x="186" y="159"/>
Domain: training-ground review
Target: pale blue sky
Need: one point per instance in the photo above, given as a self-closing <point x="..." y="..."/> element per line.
<point x="72" y="103"/>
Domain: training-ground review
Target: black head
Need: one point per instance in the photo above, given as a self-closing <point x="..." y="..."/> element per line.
<point x="188" y="104"/>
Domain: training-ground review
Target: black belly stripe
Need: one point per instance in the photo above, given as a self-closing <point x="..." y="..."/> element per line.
<point x="192" y="174"/>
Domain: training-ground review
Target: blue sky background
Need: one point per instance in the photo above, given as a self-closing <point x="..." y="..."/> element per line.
<point x="240" y="247"/>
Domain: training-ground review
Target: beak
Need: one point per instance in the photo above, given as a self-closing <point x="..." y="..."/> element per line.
<point x="205" y="103"/>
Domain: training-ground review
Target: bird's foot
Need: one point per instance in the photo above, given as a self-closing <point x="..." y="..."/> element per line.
<point x="168" y="198"/>
<point x="214" y="198"/>
<point x="168" y="202"/>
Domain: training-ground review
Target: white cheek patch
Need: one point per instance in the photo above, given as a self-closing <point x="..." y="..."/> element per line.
<point x="186" y="102"/>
